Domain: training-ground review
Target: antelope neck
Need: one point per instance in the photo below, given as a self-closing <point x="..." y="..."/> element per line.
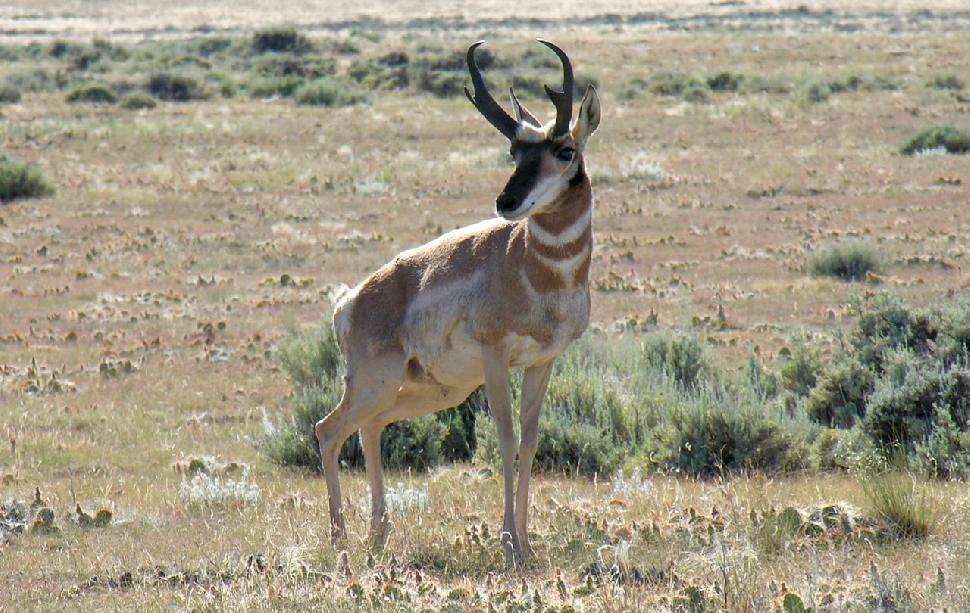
<point x="559" y="243"/>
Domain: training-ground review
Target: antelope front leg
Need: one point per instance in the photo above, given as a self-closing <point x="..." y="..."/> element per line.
<point x="534" y="383"/>
<point x="370" y="442"/>
<point x="500" y="403"/>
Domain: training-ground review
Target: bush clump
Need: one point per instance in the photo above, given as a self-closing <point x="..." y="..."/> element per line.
<point x="709" y="438"/>
<point x="682" y="358"/>
<point x="138" y="100"/>
<point x="949" y="81"/>
<point x="280" y="40"/>
<point x="174" y="87"/>
<point x="850" y="260"/>
<point x="902" y="378"/>
<point x="328" y="92"/>
<point x="948" y="139"/>
<point x="268" y="87"/>
<point x="9" y="94"/>
<point x="20" y="181"/>
<point x="92" y="92"/>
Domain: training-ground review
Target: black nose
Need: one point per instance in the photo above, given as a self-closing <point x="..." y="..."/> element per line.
<point x="506" y="203"/>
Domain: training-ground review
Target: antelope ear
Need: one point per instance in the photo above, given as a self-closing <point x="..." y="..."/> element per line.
<point x="588" y="119"/>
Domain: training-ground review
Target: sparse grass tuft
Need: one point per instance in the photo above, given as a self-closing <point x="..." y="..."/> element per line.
<point x="328" y="92"/>
<point x="949" y="139"/>
<point x="92" y="92"/>
<point x="20" y="181"/>
<point x="897" y="499"/>
<point x="849" y="260"/>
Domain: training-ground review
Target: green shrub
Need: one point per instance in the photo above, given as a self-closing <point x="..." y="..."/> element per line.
<point x="313" y="359"/>
<point x="726" y="81"/>
<point x="33" y="79"/>
<point x="760" y="383"/>
<point x="274" y="86"/>
<point x="946" y="82"/>
<point x="20" y="181"/>
<point x="906" y="399"/>
<point x="138" y="100"/>
<point x="945" y="453"/>
<point x="839" y="398"/>
<point x="706" y="438"/>
<point x="92" y="92"/>
<point x="674" y="84"/>
<point x="632" y="89"/>
<point x="682" y="358"/>
<point x="849" y="260"/>
<point x="441" y="83"/>
<point x="814" y="92"/>
<point x="9" y="94"/>
<point x="280" y="40"/>
<point x="328" y="92"/>
<point x="902" y="376"/>
<point x="379" y="76"/>
<point x="850" y="449"/>
<point x="946" y="138"/>
<point x="174" y="87"/>
<point x="799" y="373"/>
<point x="866" y="83"/>
<point x="897" y="499"/>
<point x="695" y="93"/>
<point x="289" y="65"/>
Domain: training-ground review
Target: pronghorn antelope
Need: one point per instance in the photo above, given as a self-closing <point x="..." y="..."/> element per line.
<point x="430" y="326"/>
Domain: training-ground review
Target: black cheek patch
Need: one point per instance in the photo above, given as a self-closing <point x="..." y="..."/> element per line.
<point x="524" y="178"/>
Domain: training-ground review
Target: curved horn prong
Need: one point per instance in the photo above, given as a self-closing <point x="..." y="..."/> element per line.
<point x="563" y="100"/>
<point x="522" y="112"/>
<point x="484" y="101"/>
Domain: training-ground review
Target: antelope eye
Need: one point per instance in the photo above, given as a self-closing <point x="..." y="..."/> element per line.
<point x="566" y="154"/>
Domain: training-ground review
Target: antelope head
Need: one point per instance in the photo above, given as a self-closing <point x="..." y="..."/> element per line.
<point x="548" y="158"/>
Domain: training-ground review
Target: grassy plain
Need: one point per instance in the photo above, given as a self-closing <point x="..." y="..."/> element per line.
<point x="142" y="304"/>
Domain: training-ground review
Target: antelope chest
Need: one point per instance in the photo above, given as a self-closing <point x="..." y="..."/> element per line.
<point x="547" y="328"/>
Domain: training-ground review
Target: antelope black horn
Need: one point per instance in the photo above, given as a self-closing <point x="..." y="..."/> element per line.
<point x="563" y="100"/>
<point x="484" y="101"/>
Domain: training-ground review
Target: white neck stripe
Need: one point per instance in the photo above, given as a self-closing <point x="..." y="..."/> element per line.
<point x="565" y="267"/>
<point x="565" y="237"/>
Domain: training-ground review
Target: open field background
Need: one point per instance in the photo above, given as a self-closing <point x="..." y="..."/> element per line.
<point x="142" y="305"/>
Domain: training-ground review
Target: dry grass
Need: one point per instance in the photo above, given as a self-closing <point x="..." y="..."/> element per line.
<point x="185" y="241"/>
